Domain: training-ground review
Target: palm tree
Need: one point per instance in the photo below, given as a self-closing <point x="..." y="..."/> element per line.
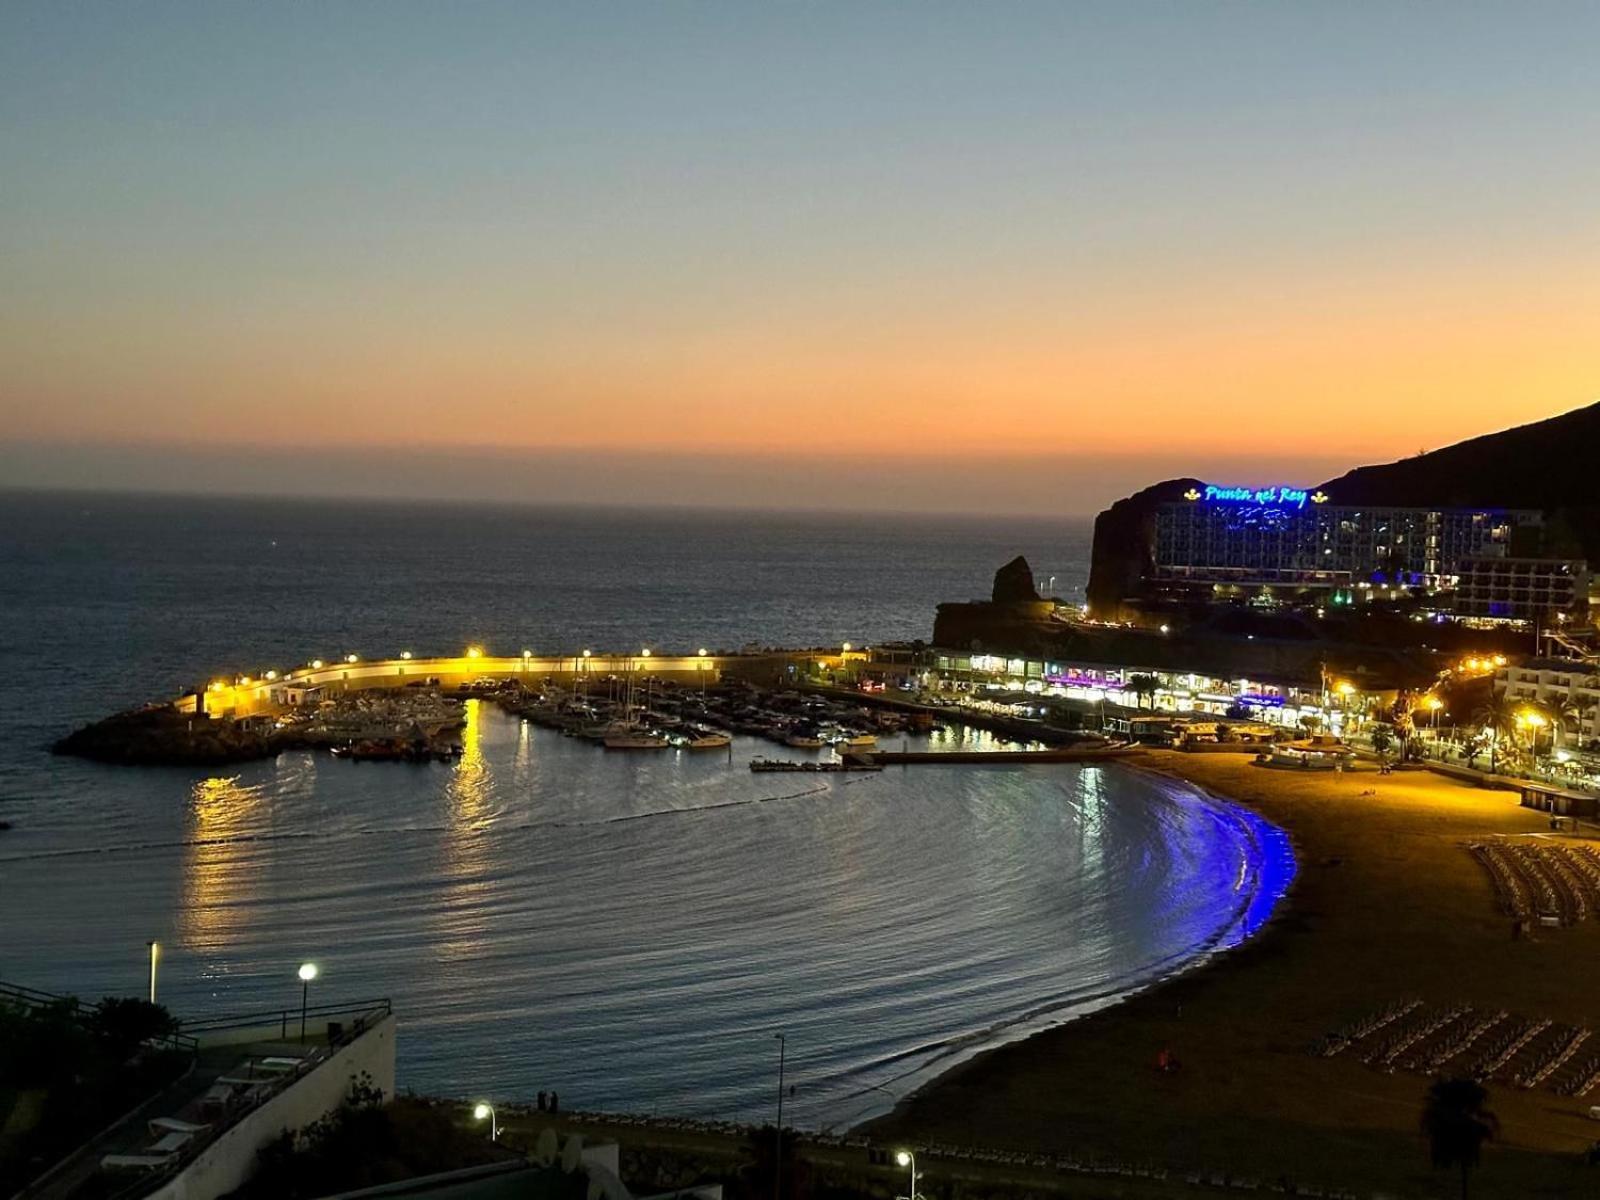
<point x="1498" y="715"/>
<point x="1457" y="1125"/>
<point x="1564" y="714"/>
<point x="1142" y="686"/>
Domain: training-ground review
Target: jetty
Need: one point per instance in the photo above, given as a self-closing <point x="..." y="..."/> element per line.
<point x="848" y="763"/>
<point x="1057" y="754"/>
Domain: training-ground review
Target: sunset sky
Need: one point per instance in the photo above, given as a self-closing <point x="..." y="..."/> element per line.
<point x="1006" y="257"/>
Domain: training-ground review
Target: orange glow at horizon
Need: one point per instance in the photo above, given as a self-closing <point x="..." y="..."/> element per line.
<point x="1367" y="374"/>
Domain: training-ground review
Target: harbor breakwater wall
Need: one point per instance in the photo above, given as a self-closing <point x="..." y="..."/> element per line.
<point x="243" y="696"/>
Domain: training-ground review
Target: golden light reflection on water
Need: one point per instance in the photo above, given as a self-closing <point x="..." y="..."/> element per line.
<point x="219" y="883"/>
<point x="468" y="790"/>
<point x="462" y="921"/>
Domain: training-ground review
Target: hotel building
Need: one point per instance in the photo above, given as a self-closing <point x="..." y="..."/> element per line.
<point x="1287" y="545"/>
<point x="1560" y="683"/>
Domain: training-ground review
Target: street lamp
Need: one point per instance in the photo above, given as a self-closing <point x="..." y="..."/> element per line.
<point x="308" y="972"/>
<point x="484" y="1110"/>
<point x="907" y="1159"/>
<point x="1433" y="705"/>
<point x="1534" y="722"/>
<point x="777" y="1138"/>
<point x="155" y="953"/>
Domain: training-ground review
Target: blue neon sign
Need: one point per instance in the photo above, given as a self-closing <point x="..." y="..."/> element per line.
<point x="1279" y="497"/>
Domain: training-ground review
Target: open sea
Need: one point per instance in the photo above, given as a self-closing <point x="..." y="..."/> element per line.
<point x="629" y="930"/>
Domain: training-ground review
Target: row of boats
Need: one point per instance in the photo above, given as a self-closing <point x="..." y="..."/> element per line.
<point x="662" y="716"/>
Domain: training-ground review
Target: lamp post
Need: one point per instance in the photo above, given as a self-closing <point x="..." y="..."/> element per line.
<point x="155" y="953"/>
<point x="486" y="1110"/>
<point x="777" y="1140"/>
<point x="1434" y="704"/>
<point x="907" y="1159"/>
<point x="308" y="972"/>
<point x="1533" y="722"/>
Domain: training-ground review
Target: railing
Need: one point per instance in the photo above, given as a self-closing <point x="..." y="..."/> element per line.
<point x="32" y="999"/>
<point x="360" y="1011"/>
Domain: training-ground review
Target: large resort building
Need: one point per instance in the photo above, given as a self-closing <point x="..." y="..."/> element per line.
<point x="1277" y="546"/>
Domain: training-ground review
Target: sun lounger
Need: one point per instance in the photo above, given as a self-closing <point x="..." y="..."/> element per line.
<point x="164" y="1125"/>
<point x="132" y="1162"/>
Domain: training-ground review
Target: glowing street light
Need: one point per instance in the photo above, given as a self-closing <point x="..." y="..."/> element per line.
<point x="907" y="1159"/>
<point x="406" y="654"/>
<point x="316" y="664"/>
<point x="484" y="1111"/>
<point x="307" y="972"/>
<point x="350" y="658"/>
<point x="474" y="651"/>
<point x="155" y="953"/>
<point x="645" y="653"/>
<point x="1433" y="704"/>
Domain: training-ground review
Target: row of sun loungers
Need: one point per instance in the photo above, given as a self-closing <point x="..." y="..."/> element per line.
<point x="1550" y="881"/>
<point x="245" y="1086"/>
<point x="1482" y="1044"/>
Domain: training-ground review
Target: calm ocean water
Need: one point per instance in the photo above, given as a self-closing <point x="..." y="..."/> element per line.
<point x="630" y="930"/>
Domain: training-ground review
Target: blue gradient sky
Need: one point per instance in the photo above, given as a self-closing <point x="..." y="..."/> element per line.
<point x="992" y="243"/>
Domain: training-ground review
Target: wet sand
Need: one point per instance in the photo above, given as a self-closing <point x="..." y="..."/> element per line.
<point x="1387" y="904"/>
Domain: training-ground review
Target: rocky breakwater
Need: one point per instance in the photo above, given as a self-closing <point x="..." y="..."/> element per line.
<point x="163" y="736"/>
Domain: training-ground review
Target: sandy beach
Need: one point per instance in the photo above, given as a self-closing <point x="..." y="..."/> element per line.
<point x="1387" y="904"/>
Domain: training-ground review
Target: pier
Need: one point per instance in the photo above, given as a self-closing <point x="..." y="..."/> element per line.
<point x="998" y="758"/>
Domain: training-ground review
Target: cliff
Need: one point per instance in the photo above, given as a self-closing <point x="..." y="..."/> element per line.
<point x="1545" y="465"/>
<point x="1123" y="539"/>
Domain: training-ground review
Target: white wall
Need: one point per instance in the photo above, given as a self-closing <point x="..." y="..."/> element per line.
<point x="227" y="1162"/>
